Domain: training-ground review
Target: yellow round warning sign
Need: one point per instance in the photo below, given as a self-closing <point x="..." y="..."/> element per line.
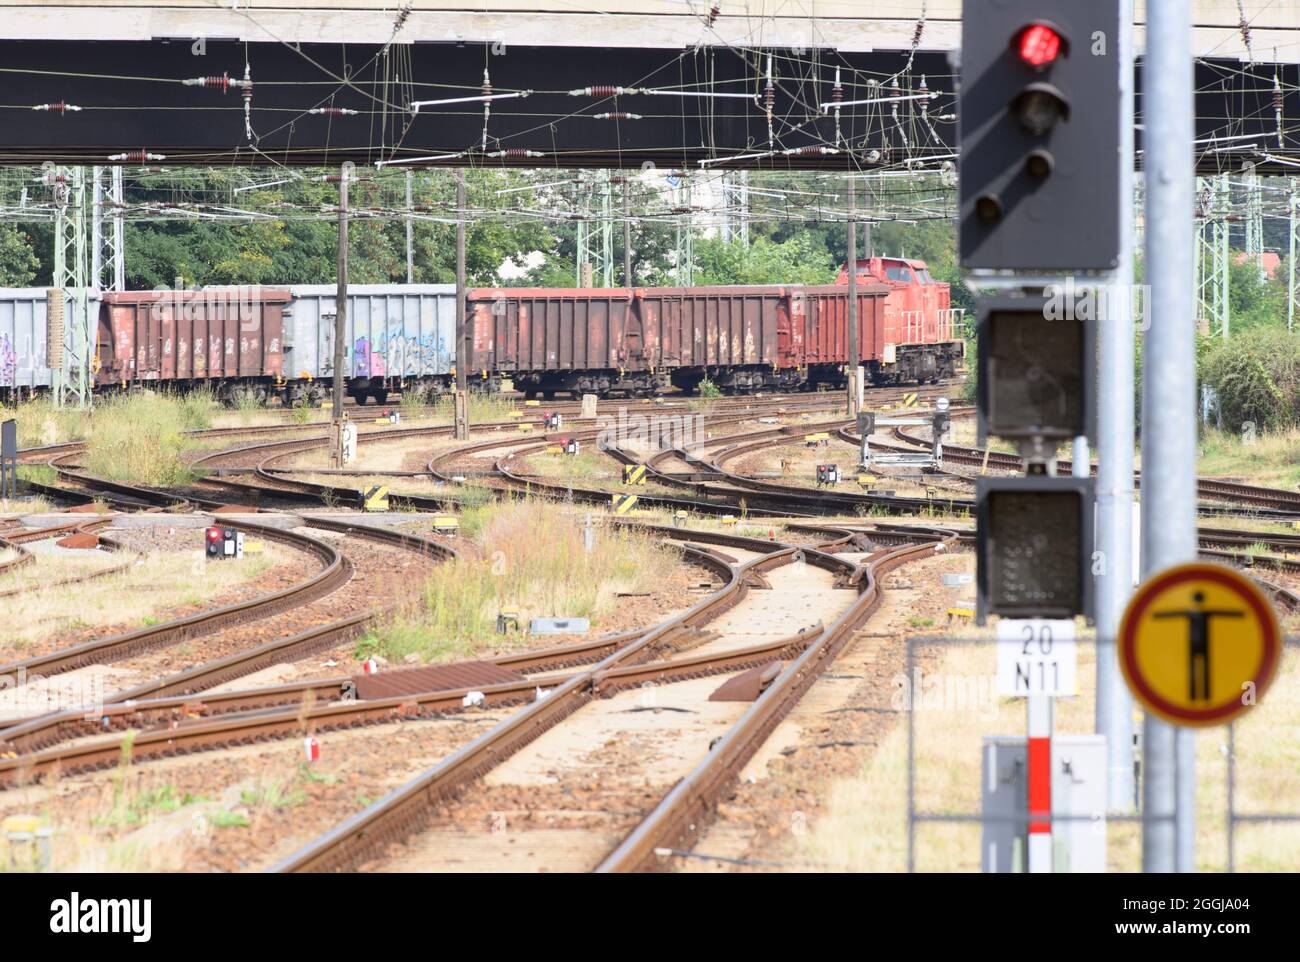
<point x="1198" y="644"/>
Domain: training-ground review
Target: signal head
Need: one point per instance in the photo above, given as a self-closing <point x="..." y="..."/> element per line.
<point x="1039" y="45"/>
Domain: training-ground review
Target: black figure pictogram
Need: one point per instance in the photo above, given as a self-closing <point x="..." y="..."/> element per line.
<point x="1198" y="640"/>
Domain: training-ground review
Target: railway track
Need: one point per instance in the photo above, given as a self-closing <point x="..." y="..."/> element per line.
<point x="334" y="571"/>
<point x="24" y="536"/>
<point x="681" y="813"/>
<point x="1270" y="499"/>
<point x="176" y="724"/>
<point x="152" y="708"/>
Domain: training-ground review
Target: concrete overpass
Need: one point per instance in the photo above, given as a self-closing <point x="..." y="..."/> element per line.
<point x="335" y="81"/>
<point x="846" y="25"/>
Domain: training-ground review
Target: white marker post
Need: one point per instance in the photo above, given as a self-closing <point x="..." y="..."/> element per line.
<point x="1037" y="661"/>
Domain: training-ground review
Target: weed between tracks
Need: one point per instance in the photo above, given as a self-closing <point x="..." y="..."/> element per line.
<point x="1270" y="458"/>
<point x="153" y="588"/>
<point x="533" y="559"/>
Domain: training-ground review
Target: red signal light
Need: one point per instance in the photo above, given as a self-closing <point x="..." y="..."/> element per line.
<point x="214" y="534"/>
<point x="1039" y="45"/>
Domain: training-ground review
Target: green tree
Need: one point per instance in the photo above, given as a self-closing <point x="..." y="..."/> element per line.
<point x="18" y="261"/>
<point x="1253" y="301"/>
<point x="795" y="261"/>
<point x="1256" y="375"/>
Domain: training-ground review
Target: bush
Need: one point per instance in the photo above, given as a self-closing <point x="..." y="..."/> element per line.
<point x="138" y="439"/>
<point x="1256" y="375"/>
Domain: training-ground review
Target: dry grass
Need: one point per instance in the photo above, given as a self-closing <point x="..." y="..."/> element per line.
<point x="157" y="582"/>
<point x="1270" y="458"/>
<point x="140" y="821"/>
<point x="138" y="438"/>
<point x="25" y="504"/>
<point x="533" y="559"/>
<point x="863" y="826"/>
<point x="54" y="564"/>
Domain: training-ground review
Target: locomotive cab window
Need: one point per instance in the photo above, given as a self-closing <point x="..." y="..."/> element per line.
<point x="900" y="274"/>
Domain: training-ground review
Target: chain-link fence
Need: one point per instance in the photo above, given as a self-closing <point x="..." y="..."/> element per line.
<point x="965" y="771"/>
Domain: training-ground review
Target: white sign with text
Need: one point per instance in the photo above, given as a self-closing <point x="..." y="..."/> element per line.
<point x="1036" y="657"/>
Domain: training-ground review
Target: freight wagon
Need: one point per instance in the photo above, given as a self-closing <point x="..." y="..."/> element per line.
<point x="633" y="341"/>
<point x="399" y="337"/>
<point x="24" y="361"/>
<point x="226" y="338"/>
<point x="279" y="341"/>
<point x="638" y="341"/>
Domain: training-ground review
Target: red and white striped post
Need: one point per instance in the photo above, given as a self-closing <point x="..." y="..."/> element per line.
<point x="1039" y="782"/>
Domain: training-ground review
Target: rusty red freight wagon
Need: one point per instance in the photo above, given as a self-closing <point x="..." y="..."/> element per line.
<point x="634" y="341"/>
<point x="217" y="336"/>
<point x="566" y="339"/>
<point x="742" y="338"/>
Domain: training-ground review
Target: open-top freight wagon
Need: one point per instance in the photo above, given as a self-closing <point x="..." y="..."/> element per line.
<point x="279" y="341"/>
<point x="742" y="338"/>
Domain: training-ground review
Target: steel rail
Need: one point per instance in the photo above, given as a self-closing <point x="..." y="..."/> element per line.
<point x="234" y="728"/>
<point x="685" y="811"/>
<point x="405" y="810"/>
<point x="1274" y="498"/>
<point x="335" y="571"/>
<point x="41" y="732"/>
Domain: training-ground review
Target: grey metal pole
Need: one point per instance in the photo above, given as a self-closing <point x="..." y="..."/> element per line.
<point x="461" y="407"/>
<point x="97" y="227"/>
<point x="410" y="231"/>
<point x="627" y="232"/>
<point x="1290" y="270"/>
<point x="341" y="293"/>
<point x="1168" y="402"/>
<point x="852" y="267"/>
<point x="1114" y="705"/>
<point x="119" y="233"/>
<point x="866" y="223"/>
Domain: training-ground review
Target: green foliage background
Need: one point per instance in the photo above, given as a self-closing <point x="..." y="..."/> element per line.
<point x="791" y="240"/>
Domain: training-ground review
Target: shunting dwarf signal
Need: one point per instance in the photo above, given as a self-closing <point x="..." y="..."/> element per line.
<point x="224" y="543"/>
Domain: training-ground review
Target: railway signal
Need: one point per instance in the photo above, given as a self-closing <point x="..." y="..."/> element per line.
<point x="222" y="542"/>
<point x="1034" y="547"/>
<point x="1036" y="370"/>
<point x="1040" y="106"/>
